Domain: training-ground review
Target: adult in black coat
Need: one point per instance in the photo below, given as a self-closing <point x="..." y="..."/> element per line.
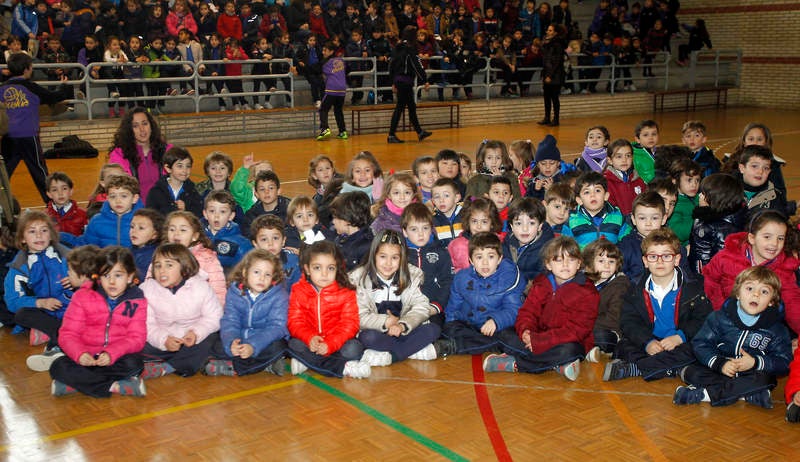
<point x="552" y="72"/>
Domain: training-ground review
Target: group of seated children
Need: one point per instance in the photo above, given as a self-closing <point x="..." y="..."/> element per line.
<point x="367" y="273"/>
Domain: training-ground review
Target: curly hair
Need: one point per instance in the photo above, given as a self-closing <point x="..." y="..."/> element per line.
<point x="125" y="139"/>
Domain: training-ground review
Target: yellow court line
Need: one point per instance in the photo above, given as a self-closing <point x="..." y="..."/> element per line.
<point x="633" y="426"/>
<point x="151" y="415"/>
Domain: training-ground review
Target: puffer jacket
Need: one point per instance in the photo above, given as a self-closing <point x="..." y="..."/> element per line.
<point x="331" y="313"/>
<point x="558" y="315"/>
<point x="416" y="308"/>
<point x="192" y="307"/>
<point x="793" y="383"/>
<point x="37" y="275"/>
<point x="475" y="299"/>
<point x="105" y="228"/>
<point x="709" y="230"/>
<point x="434" y="261"/>
<point x="258" y="322"/>
<point x="386" y="219"/>
<point x="229" y="244"/>
<point x="209" y="263"/>
<point x="92" y="326"/>
<point x="720" y="274"/>
<point x="73" y="221"/>
<point x="354" y="246"/>
<point x="724" y="335"/>
<point x="528" y="257"/>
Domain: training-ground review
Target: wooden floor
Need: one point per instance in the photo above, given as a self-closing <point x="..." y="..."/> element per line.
<point x="415" y="410"/>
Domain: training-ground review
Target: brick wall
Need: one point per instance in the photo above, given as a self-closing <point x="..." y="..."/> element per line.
<point x="767" y="32"/>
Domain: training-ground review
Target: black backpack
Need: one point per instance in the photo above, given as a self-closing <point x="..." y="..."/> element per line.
<point x="71" y="147"/>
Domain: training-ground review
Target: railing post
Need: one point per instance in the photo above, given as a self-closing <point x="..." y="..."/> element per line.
<point x="692" y="68"/>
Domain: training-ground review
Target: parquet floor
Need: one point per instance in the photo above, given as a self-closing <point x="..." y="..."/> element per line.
<point x="415" y="410"/>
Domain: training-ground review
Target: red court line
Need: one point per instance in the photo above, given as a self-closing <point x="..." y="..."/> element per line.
<point x="740" y="8"/>
<point x="487" y="414"/>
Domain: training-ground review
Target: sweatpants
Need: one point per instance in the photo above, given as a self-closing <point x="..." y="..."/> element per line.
<point x="403" y="346"/>
<point x="659" y="365"/>
<point x="331" y="365"/>
<point x="337" y="103"/>
<point x="254" y="364"/>
<point x="95" y="381"/>
<point x="724" y="390"/>
<point x="187" y="360"/>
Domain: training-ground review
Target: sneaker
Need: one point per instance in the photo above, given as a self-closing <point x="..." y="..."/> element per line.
<point x="277" y="367"/>
<point x="376" y="358"/>
<point x="593" y="356"/>
<point x="761" y="398"/>
<point x="267" y="106"/>
<point x="79" y="94"/>
<point x="632" y="87"/>
<point x="154" y="369"/>
<point x="246" y="107"/>
<point x="688" y="395"/>
<point x="42" y="362"/>
<point x="357" y="369"/>
<point x="60" y="389"/>
<point x="113" y="94"/>
<point x="216" y="367"/>
<point x="426" y="354"/>
<point x="324" y="134"/>
<point x="38" y="337"/>
<point x="342" y="135"/>
<point x="500" y="363"/>
<point x="617" y="370"/>
<point x="237" y="107"/>
<point x="258" y="107"/>
<point x="223" y="108"/>
<point x="317" y="104"/>
<point x="297" y="367"/>
<point x="133" y="386"/>
<point x="423" y="134"/>
<point x="792" y="413"/>
<point x="445" y="347"/>
<point x="571" y="370"/>
<point x="391" y="139"/>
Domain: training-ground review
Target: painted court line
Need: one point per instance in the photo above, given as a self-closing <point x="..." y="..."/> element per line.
<point x="154" y="414"/>
<point x="384" y="419"/>
<point x="487" y="413"/>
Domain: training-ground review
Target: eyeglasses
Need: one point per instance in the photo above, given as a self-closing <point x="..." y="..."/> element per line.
<point x="666" y="258"/>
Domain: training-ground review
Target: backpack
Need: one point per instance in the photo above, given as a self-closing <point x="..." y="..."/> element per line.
<point x="71" y="147"/>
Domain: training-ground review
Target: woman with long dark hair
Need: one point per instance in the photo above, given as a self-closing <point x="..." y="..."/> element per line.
<point x="139" y="148"/>
<point x="552" y="72"/>
<point x="403" y="68"/>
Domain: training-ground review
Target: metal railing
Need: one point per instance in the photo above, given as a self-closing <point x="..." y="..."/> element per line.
<point x="720" y="61"/>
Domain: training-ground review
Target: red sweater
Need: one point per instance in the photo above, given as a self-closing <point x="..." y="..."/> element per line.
<point x="73" y="222"/>
<point x="229" y="26"/>
<point x="317" y="25"/>
<point x="562" y="316"/>
<point x="331" y="313"/>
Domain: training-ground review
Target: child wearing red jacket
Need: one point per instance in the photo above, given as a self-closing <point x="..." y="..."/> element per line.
<point x="64" y="211"/>
<point x="792" y="390"/>
<point x="104" y="329"/>
<point x="229" y="25"/>
<point x="235" y="52"/>
<point x="554" y="325"/>
<point x="323" y="316"/>
<point x="624" y="184"/>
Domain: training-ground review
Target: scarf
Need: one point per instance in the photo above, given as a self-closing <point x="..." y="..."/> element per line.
<point x="596" y="159"/>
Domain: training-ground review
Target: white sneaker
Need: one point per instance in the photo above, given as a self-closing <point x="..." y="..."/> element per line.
<point x="593" y="356"/>
<point x="585" y="92"/>
<point x="317" y="104"/>
<point x="566" y="91"/>
<point x="42" y="362"/>
<point x="632" y="87"/>
<point x="258" y="107"/>
<point x="356" y="369"/>
<point x="267" y="105"/>
<point x="376" y="358"/>
<point x="114" y="94"/>
<point x="426" y="354"/>
<point x="298" y="367"/>
<point x="237" y="107"/>
<point x="570" y="371"/>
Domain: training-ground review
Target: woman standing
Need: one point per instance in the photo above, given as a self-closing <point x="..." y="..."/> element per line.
<point x="552" y="72"/>
<point x="139" y="147"/>
<point x="403" y="67"/>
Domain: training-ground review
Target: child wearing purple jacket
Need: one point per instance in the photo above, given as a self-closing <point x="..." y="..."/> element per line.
<point x="335" y="90"/>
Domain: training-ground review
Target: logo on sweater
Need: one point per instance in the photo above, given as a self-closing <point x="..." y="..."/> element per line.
<point x="432" y="257"/>
<point x="759" y="342"/>
<point x="130" y="308"/>
<point x="14" y="98"/>
<point x="223" y="248"/>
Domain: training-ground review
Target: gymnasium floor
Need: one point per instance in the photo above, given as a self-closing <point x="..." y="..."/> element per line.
<point x="414" y="410"/>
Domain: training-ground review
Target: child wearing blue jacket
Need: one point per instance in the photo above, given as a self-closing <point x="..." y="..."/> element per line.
<point x="742" y="347"/>
<point x="219" y="212"/>
<point x="253" y="330"/>
<point x="594" y="218"/>
<point x="529" y="234"/>
<point x="111" y="226"/>
<point x="484" y="300"/>
<point x="36" y="286"/>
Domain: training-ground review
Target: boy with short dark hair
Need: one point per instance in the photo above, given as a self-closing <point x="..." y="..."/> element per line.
<point x="268" y="234"/>
<point x="218" y="167"/>
<point x="110" y="226"/>
<point x="558" y="202"/>
<point x="484" y="300"/>
<point x="428" y="254"/>
<point x="529" y="234"/>
<point x="668" y="191"/>
<point x="449" y="165"/>
<point x="660" y="315"/>
<point x="446" y="201"/>
<point x="693" y="135"/>
<point x="267" y="189"/>
<point x="644" y="149"/>
<point x="175" y="191"/>
<point x="427" y="172"/>
<point x="218" y="213"/>
<point x="755" y="164"/>
<point x="64" y="211"/>
<point x="594" y="218"/>
<point x="501" y="193"/>
<point x="351" y="220"/>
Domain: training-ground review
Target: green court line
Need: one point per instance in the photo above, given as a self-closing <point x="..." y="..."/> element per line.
<point x="384" y="419"/>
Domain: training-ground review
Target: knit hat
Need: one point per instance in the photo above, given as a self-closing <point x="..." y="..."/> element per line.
<point x="547" y="150"/>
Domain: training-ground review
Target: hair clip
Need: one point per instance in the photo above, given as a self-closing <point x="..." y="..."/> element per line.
<point x="485" y="140"/>
<point x="95" y="276"/>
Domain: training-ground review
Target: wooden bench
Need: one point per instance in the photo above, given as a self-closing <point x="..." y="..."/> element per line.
<point x="454" y="106"/>
<point x="691" y="97"/>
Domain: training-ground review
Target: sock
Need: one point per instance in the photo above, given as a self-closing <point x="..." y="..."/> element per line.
<point x="168" y="369"/>
<point x="706" y="398"/>
<point x="633" y="370"/>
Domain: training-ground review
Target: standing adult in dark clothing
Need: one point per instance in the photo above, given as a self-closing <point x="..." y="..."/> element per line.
<point x="552" y="72"/>
<point x="403" y="68"/>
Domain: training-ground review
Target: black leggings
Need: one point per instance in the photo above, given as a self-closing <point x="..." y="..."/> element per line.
<point x="405" y="97"/>
<point x="551" y="94"/>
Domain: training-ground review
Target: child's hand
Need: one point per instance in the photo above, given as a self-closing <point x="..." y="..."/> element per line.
<point x="86" y="360"/>
<point x="796" y="399"/>
<point x="654" y="347"/>
<point x="729" y="368"/>
<point x="103" y="359"/>
<point x="671" y="342"/>
<point x="236" y="346"/>
<point x="314" y="344"/>
<point x="173" y="343"/>
<point x="66" y="284"/>
<point x="49" y="304"/>
<point x="248" y="161"/>
<point x="526" y="339"/>
<point x="488" y="328"/>
<point x="395" y="331"/>
<point x="181" y="205"/>
<point x="293" y="250"/>
<point x="189" y="338"/>
<point x="245" y="351"/>
<point x="322" y="348"/>
<point x="745" y="362"/>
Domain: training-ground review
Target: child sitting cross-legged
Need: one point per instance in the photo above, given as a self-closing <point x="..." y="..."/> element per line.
<point x="558" y="202"/>
<point x="742" y="347"/>
<point x="554" y="325"/>
<point x="62" y="208"/>
<point x="660" y="315"/>
<point x="603" y="262"/>
<point x="252" y="332"/>
<point x="145" y="234"/>
<point x="446" y="201"/>
<point x="624" y="183"/>
<point x="110" y="225"/>
<point x="104" y="329"/>
<point x="686" y="174"/>
<point x="755" y="164"/>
